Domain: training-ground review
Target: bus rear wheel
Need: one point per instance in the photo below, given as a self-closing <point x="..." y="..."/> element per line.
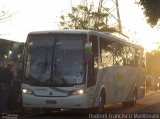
<point x="132" y="102"/>
<point x="134" y="99"/>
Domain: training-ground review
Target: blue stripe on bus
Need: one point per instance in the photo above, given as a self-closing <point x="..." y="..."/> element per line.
<point x="60" y="90"/>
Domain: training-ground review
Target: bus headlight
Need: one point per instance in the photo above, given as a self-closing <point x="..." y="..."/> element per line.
<point x="78" y="92"/>
<point x="27" y="91"/>
<point x="158" y="85"/>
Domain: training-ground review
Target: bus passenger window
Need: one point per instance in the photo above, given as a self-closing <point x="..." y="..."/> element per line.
<point x="137" y="58"/>
<point x="106" y="52"/>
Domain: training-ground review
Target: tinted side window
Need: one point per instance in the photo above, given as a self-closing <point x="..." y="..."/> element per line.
<point x="106" y="50"/>
<point x="93" y="63"/>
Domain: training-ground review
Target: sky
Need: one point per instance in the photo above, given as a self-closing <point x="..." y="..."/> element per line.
<point x="36" y="15"/>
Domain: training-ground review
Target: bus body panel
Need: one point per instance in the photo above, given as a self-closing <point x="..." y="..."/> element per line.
<point x="60" y="96"/>
<point x="70" y="102"/>
<point x="119" y="83"/>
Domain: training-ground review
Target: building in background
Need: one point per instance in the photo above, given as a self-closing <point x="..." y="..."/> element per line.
<point x="11" y="51"/>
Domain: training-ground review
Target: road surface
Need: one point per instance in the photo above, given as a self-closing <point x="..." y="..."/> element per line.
<point x="148" y="107"/>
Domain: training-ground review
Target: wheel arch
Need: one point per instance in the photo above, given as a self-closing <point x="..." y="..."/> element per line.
<point x="103" y="92"/>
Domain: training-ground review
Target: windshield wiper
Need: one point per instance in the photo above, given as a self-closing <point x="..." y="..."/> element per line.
<point x="55" y="66"/>
<point x="31" y="80"/>
<point x="57" y="73"/>
<point x="46" y="61"/>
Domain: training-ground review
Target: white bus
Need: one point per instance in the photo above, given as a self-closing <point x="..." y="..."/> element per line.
<point x="81" y="69"/>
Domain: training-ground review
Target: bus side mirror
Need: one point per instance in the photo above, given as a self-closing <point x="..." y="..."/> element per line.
<point x="88" y="50"/>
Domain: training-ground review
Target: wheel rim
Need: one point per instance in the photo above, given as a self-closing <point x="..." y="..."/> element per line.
<point x="101" y="104"/>
<point x="134" y="98"/>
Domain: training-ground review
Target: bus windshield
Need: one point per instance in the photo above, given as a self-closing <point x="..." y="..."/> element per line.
<point x="55" y="59"/>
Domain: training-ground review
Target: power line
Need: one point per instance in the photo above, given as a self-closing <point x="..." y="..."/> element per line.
<point x="112" y="7"/>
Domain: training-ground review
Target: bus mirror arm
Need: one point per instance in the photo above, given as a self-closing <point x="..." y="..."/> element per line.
<point x="88" y="51"/>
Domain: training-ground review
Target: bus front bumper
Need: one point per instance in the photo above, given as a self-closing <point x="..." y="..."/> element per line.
<point x="68" y="102"/>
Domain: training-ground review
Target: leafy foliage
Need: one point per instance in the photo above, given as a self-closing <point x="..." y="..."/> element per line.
<point x="4" y="15"/>
<point x="86" y="17"/>
<point x="153" y="63"/>
<point x="151" y="10"/>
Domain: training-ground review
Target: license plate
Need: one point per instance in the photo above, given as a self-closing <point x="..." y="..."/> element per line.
<point x="50" y="101"/>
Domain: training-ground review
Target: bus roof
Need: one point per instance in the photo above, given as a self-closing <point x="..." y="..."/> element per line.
<point x="76" y="31"/>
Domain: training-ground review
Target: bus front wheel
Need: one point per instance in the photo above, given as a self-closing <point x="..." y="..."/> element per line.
<point x="101" y="102"/>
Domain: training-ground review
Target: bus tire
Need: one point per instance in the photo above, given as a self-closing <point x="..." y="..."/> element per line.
<point x="133" y="102"/>
<point x="101" y="102"/>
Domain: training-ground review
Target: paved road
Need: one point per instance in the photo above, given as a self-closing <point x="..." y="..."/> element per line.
<point x="148" y="107"/>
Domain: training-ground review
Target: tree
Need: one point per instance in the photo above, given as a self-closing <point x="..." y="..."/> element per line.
<point x="152" y="63"/>
<point x="4" y="15"/>
<point x="151" y="10"/>
<point x="85" y="16"/>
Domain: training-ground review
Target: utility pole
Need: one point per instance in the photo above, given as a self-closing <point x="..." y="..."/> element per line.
<point x="114" y="20"/>
<point x="112" y="8"/>
<point x="118" y="17"/>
